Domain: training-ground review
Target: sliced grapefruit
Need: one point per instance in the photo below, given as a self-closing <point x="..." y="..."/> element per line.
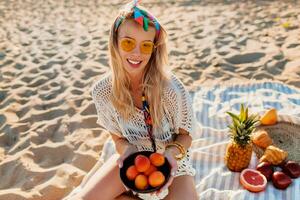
<point x="253" y="180"/>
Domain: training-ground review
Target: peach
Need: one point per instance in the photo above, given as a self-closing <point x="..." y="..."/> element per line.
<point x="157" y="159"/>
<point x="141" y="182"/>
<point x="156" y="179"/>
<point x="151" y="169"/>
<point x="131" y="172"/>
<point x="142" y="163"/>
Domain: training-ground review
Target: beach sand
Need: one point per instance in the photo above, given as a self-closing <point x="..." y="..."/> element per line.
<point x="51" y="52"/>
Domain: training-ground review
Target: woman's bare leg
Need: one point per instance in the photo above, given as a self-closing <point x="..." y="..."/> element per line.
<point x="126" y="197"/>
<point x="105" y="183"/>
<point x="183" y="187"/>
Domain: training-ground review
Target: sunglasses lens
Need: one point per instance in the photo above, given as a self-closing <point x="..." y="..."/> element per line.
<point x="127" y="44"/>
<point x="147" y="47"/>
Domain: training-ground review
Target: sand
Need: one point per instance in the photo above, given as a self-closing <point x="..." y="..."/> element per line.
<point x="51" y="52"/>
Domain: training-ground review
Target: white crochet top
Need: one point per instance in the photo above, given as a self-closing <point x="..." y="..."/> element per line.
<point x="178" y="113"/>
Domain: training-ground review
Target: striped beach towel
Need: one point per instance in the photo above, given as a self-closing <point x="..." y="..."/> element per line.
<point x="210" y="103"/>
<point x="213" y="179"/>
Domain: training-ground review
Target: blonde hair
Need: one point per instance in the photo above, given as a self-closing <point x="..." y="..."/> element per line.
<point x="154" y="79"/>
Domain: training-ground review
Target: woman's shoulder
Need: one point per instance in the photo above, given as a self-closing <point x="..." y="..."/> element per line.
<point x="101" y="89"/>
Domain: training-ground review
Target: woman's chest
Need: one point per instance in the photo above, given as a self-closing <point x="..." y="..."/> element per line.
<point x="136" y="132"/>
<point x="137" y="99"/>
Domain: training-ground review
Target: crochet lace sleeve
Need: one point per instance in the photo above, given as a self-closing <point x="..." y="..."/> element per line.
<point x="106" y="115"/>
<point x="183" y="112"/>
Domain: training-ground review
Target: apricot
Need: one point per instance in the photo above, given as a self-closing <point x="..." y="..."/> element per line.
<point x="151" y="169"/>
<point x="157" y="159"/>
<point x="142" y="163"/>
<point x="131" y="172"/>
<point x="141" y="182"/>
<point x="156" y="179"/>
<point x="269" y="117"/>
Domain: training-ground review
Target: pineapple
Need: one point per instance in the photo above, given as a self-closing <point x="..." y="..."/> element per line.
<point x="239" y="150"/>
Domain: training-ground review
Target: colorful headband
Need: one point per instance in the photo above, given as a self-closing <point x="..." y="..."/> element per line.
<point x="141" y="17"/>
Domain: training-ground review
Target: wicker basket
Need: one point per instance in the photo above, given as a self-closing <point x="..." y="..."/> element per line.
<point x="285" y="135"/>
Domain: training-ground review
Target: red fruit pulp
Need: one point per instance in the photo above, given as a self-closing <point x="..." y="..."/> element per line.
<point x="253" y="178"/>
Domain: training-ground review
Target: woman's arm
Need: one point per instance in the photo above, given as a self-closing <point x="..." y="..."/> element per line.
<point x="121" y="143"/>
<point x="183" y="138"/>
<point x="123" y="148"/>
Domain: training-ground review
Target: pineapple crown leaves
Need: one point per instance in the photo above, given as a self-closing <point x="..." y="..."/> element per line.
<point x="242" y="126"/>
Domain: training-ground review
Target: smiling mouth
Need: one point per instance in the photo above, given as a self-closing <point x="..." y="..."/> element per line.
<point x="134" y="62"/>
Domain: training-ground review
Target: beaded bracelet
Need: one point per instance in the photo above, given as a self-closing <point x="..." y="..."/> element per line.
<point x="180" y="147"/>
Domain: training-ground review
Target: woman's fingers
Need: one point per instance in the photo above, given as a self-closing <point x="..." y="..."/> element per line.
<point x="130" y="150"/>
<point x="170" y="181"/>
<point x="120" y="161"/>
<point x="167" y="185"/>
<point x="173" y="163"/>
<point x="122" y="158"/>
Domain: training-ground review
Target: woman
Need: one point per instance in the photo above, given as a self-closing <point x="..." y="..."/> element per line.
<point x="140" y="82"/>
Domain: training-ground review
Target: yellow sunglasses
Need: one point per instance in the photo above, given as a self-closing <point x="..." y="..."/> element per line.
<point x="128" y="44"/>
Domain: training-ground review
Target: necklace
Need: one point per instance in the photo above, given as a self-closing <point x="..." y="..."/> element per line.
<point x="148" y="121"/>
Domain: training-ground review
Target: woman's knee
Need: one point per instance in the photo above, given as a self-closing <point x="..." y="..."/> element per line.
<point x="183" y="187"/>
<point x="190" y="195"/>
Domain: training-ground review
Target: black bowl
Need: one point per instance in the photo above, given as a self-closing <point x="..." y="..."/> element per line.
<point x="165" y="169"/>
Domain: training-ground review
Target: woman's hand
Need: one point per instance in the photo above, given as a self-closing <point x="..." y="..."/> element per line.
<point x="130" y="149"/>
<point x="170" y="155"/>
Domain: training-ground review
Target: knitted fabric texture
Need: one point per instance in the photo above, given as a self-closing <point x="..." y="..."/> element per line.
<point x="178" y="113"/>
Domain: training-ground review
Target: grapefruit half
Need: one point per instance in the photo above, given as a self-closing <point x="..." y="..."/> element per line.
<point x="253" y="180"/>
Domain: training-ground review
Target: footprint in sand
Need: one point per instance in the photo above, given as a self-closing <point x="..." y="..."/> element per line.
<point x="50" y="155"/>
<point x="2" y="120"/>
<point x="88" y="110"/>
<point x="77" y="92"/>
<point x="19" y="174"/>
<point x="245" y="58"/>
<point x="79" y="84"/>
<point x="40" y="81"/>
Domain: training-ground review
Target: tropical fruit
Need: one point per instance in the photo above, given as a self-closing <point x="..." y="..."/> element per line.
<point x="262" y="139"/>
<point x="274" y="155"/>
<point x="239" y="150"/>
<point x="269" y="117"/>
<point x="253" y="180"/>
